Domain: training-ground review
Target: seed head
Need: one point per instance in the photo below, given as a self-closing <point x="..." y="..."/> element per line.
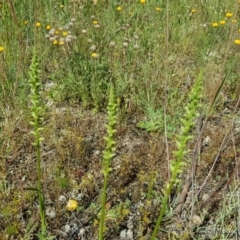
<point x="112" y="44"/>
<point x="93" y="48"/>
<point x="136" y="46"/>
<point x="68" y="39"/>
<point x="51" y="39"/>
<point x="51" y="32"/>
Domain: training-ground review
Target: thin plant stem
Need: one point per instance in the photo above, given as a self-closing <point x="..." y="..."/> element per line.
<point x="165" y="93"/>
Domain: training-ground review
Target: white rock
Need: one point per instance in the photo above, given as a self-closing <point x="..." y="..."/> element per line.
<point x="206" y="141"/>
<point x="130" y="224"/>
<point x="197" y="220"/>
<point x="62" y="199"/>
<point x="66" y="228"/>
<point x="51" y="213"/>
<point x="205" y="197"/>
<point x="129" y="234"/>
<point x="123" y="234"/>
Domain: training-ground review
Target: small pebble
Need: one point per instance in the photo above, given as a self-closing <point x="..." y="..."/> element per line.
<point x="123" y="234"/>
<point x="62" y="199"/>
<point x="66" y="228"/>
<point x="206" y="141"/>
<point x="197" y="220"/>
<point x="129" y="234"/>
<point x="50" y="213"/>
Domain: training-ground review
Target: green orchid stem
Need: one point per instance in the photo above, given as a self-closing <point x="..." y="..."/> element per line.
<point x="107" y="156"/>
<point x="40" y="194"/>
<point x="103" y="208"/>
<point x="36" y="109"/>
<point x="176" y="165"/>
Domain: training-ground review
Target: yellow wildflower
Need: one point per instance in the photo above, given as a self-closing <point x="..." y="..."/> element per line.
<point x="222" y="22"/>
<point x="158" y="8"/>
<point x="234" y="21"/>
<point x="95" y="55"/>
<point x="237" y="41"/>
<point x="143" y="1"/>
<point x="1" y="49"/>
<point x="38" y="24"/>
<point x="229" y="14"/>
<point x="61" y="6"/>
<point x="48" y="27"/>
<point x="64" y="34"/>
<point x="72" y="205"/>
<point x="55" y="42"/>
<point x="95" y="22"/>
<point x="119" y="8"/>
<point x="215" y="24"/>
<point x="193" y="10"/>
<point x="25" y="22"/>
